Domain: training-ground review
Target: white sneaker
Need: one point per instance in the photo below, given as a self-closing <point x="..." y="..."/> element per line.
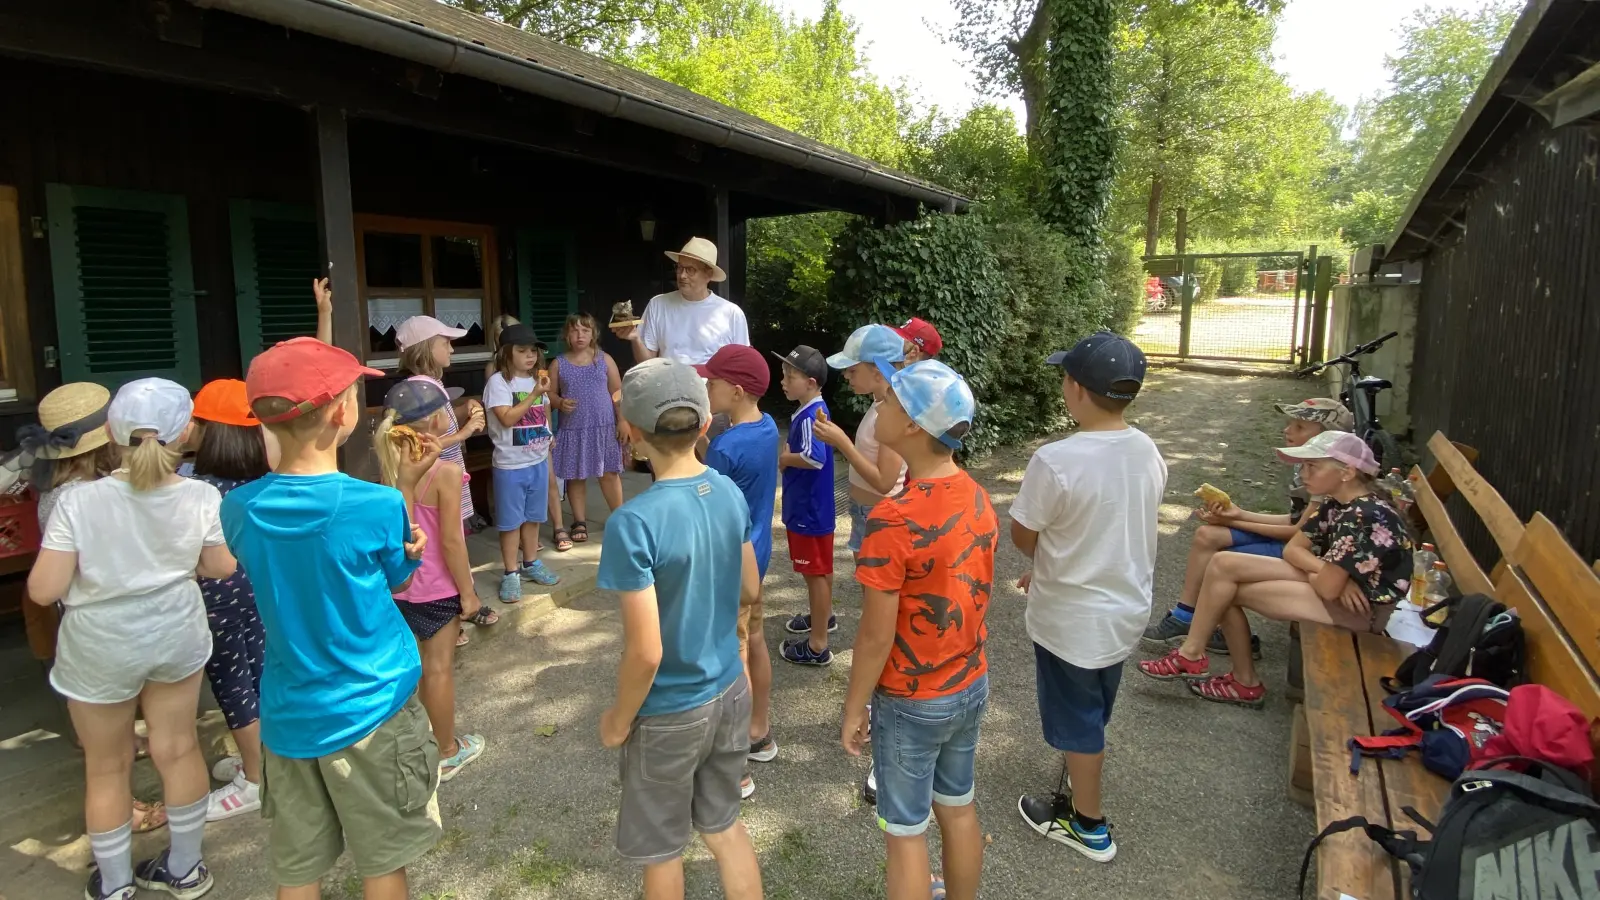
<point x="227" y="769"/>
<point x="236" y="798"/>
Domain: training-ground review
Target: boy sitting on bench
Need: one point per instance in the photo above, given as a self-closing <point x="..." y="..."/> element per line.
<point x="1229" y="528"/>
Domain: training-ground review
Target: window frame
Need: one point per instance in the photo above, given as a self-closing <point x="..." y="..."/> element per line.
<point x="16" y="348"/>
<point x="428" y="294"/>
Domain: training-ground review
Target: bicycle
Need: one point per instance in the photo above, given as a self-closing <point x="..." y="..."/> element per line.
<point x="1360" y="396"/>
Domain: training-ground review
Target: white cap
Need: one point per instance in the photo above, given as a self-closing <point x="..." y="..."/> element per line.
<point x="150" y="404"/>
<point x="417" y="329"/>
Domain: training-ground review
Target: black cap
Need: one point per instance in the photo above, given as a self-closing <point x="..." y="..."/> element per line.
<point x="808" y="360"/>
<point x="520" y="335"/>
<point x="416" y="399"/>
<point x="1101" y="360"/>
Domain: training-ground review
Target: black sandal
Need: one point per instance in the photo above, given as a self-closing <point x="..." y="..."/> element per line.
<point x="580" y="532"/>
<point x="563" y="540"/>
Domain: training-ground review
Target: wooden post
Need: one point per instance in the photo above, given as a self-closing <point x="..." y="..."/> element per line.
<point x="1186" y="297"/>
<point x="722" y="234"/>
<point x="1182" y="236"/>
<point x="1319" y="306"/>
<point x="738" y="247"/>
<point x="337" y="229"/>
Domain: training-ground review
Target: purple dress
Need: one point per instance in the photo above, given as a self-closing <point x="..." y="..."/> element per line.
<point x="586" y="439"/>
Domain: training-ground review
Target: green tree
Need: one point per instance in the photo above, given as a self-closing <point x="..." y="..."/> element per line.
<point x="600" y="26"/>
<point x="982" y="156"/>
<point x="1442" y="58"/>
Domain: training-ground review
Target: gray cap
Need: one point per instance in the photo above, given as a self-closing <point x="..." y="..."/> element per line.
<point x="657" y="385"/>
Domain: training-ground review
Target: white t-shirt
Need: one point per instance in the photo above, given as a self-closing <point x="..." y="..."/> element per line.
<point x="131" y="543"/>
<point x="690" y="331"/>
<point x="1093" y="498"/>
<point x="526" y="443"/>
<point x="867" y="442"/>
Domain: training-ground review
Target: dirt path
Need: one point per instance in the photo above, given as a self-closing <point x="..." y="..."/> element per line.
<point x="1195" y="791"/>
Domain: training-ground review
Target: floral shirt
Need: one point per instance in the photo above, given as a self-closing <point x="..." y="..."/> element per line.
<point x="1366" y="538"/>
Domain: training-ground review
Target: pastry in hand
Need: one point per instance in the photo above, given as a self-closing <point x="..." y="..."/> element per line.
<point x="408" y="441"/>
<point x="1213" y="496"/>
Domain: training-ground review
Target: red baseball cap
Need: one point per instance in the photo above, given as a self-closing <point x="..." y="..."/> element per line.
<point x="304" y="371"/>
<point x="922" y="333"/>
<point x="741" y="366"/>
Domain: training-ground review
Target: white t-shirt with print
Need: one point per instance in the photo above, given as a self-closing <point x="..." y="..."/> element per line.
<point x="134" y="543"/>
<point x="690" y="331"/>
<point x="526" y="443"/>
<point x="1093" y="498"/>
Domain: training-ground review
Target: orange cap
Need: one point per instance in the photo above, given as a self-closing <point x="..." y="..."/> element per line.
<point x="224" y="401"/>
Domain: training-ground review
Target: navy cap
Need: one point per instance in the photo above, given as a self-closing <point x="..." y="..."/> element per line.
<point x="1101" y="360"/>
<point x="416" y="399"/>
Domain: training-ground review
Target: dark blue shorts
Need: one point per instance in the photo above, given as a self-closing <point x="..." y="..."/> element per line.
<point x="1074" y="703"/>
<point x="238" y="646"/>
<point x="1254" y="544"/>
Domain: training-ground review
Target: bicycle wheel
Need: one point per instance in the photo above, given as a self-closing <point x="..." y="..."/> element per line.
<point x="1387" y="448"/>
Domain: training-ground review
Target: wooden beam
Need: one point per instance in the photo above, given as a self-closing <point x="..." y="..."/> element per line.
<point x="1469" y="576"/>
<point x="336" y="226"/>
<point x="1492" y="508"/>
<point x="16" y="352"/>
<point x="738" y="258"/>
<point x="721" y="230"/>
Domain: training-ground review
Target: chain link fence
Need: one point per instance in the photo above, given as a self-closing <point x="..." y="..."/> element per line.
<point x="1228" y="306"/>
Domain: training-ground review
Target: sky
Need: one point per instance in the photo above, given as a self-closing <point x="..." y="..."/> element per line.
<point x="1335" y="46"/>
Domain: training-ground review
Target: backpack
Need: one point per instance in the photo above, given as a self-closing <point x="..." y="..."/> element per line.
<point x="1502" y="835"/>
<point x="1448" y="719"/>
<point x="1482" y="638"/>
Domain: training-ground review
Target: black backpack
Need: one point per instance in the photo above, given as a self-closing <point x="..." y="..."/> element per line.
<point x="1480" y="639"/>
<point x="1502" y="835"/>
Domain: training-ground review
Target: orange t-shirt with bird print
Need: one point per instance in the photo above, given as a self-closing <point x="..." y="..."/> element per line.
<point x="933" y="544"/>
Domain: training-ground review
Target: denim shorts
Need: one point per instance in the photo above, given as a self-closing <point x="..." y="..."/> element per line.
<point x="923" y="752"/>
<point x="1254" y="544"/>
<point x="521" y="495"/>
<point x="1074" y="703"/>
<point x="858" y="525"/>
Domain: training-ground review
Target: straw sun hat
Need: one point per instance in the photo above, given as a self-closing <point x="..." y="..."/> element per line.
<point x="701" y="251"/>
<point x="68" y="404"/>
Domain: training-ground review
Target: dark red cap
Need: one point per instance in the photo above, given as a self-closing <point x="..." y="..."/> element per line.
<point x="304" y="371"/>
<point x="739" y="365"/>
<point x="922" y="333"/>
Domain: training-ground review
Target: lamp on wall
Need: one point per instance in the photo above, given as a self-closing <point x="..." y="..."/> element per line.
<point x="647" y="226"/>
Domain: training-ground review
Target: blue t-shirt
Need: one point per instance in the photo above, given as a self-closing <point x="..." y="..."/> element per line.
<point x="808" y="506"/>
<point x="748" y="454"/>
<point x="323" y="552"/>
<point x="685" y="536"/>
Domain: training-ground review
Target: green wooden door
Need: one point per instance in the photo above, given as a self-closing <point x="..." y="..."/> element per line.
<point x="276" y="255"/>
<point x="547" y="283"/>
<point x="124" y="285"/>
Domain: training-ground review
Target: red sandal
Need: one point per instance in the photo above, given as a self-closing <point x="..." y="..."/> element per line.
<point x="1174" y="666"/>
<point x="1223" y="689"/>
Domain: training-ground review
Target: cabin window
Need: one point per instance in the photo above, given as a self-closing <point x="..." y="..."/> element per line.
<point x="411" y="267"/>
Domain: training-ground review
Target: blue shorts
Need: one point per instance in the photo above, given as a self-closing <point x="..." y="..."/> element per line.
<point x="1254" y="544"/>
<point x="923" y="752"/>
<point x="1074" y="703"/>
<point x="858" y="525"/>
<point x="521" y="496"/>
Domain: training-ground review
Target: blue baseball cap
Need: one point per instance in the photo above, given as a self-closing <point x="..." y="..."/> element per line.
<point x="1101" y="360"/>
<point x="871" y="344"/>
<point x="416" y="399"/>
<point x="934" y="396"/>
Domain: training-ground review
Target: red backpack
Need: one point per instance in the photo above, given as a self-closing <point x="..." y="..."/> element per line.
<point x="1450" y="720"/>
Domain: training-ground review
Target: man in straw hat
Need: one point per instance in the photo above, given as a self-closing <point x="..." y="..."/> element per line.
<point x="691" y="323"/>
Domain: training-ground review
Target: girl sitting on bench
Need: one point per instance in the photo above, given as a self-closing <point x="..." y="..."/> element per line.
<point x="1348" y="566"/>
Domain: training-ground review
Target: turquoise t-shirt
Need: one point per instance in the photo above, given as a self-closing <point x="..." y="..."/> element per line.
<point x="323" y="552"/>
<point x="685" y="536"/>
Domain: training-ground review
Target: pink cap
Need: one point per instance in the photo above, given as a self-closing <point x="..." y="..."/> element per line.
<point x="1342" y="446"/>
<point x="417" y="329"/>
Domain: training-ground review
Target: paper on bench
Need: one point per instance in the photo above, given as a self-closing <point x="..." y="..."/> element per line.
<point x="1407" y="626"/>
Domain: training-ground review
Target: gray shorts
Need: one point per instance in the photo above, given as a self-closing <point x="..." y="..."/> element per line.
<point x="681" y="774"/>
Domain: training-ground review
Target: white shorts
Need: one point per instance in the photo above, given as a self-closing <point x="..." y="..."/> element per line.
<point x="108" y="650"/>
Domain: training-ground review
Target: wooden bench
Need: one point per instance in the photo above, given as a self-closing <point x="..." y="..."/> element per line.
<point x="1553" y="590"/>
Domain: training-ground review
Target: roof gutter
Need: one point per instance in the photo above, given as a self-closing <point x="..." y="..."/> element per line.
<point x="353" y="25"/>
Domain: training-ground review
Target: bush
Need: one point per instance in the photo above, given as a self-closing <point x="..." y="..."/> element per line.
<point x="1124" y="286"/>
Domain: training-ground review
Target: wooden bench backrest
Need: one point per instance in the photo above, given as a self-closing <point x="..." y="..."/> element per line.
<point x="1496" y="513"/>
<point x="1557" y="594"/>
<point x="1469" y="576"/>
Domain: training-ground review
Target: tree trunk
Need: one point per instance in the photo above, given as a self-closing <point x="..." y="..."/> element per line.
<point x="1152" y="215"/>
<point x="1029" y="51"/>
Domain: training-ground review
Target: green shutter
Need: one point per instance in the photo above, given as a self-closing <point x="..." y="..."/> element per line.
<point x="276" y="255"/>
<point x="124" y="285"/>
<point x="547" y="282"/>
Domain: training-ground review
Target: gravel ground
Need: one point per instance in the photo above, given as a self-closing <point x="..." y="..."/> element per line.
<point x="1196" y="792"/>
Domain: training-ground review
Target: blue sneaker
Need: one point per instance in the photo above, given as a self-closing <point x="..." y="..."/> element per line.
<point x="152" y="875"/>
<point x="511" y="588"/>
<point x="538" y="573"/>
<point x="800" y="653"/>
<point x="1054" y="818"/>
<point x="95" y="889"/>
<point x="801" y="624"/>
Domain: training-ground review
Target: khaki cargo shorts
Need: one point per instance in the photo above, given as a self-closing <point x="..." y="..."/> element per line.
<point x="377" y="795"/>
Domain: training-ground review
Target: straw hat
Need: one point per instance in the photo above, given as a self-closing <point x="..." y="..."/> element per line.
<point x="701" y="251"/>
<point x="71" y="403"/>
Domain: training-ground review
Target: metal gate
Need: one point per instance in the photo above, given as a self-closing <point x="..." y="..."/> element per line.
<point x="1268" y="307"/>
